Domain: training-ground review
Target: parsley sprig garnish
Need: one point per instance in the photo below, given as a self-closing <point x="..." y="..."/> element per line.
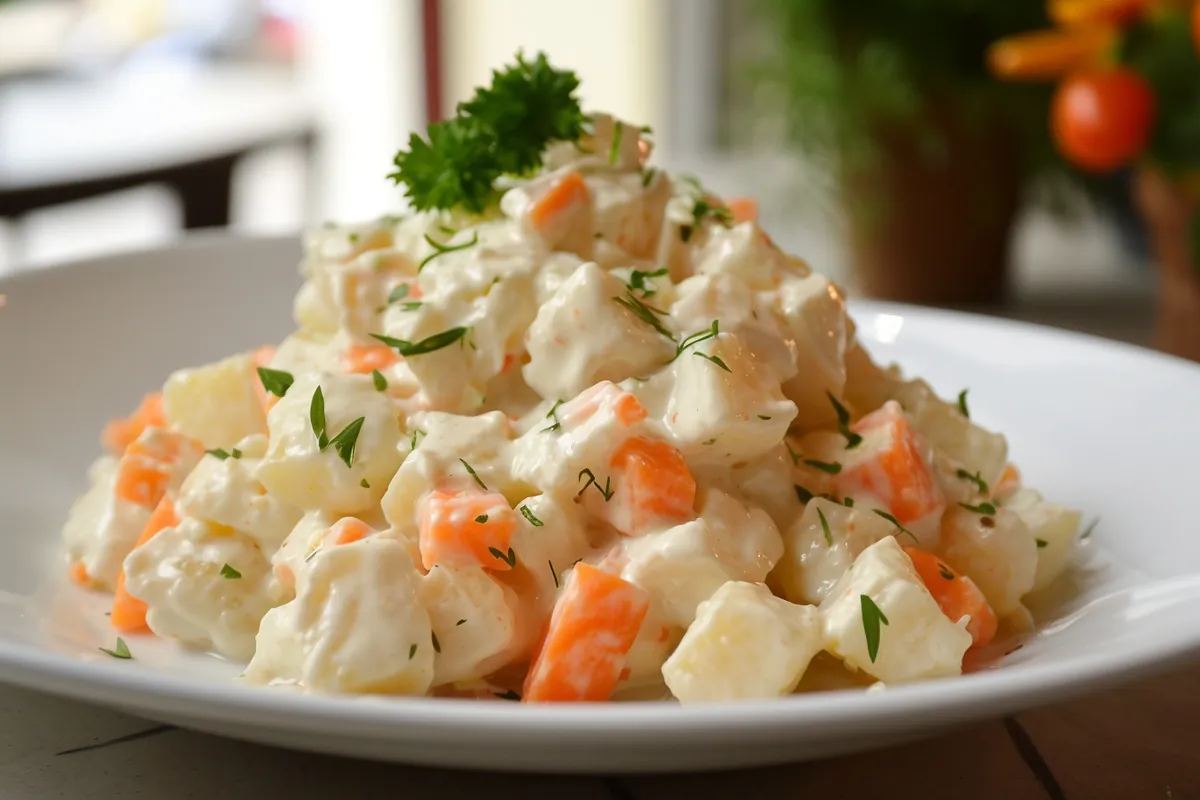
<point x="503" y="129"/>
<point x="711" y="332"/>
<point x="345" y="441"/>
<point x="637" y="281"/>
<point x="701" y="209"/>
<point x="647" y="314"/>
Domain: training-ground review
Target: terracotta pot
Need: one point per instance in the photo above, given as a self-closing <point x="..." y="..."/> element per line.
<point x="1167" y="211"/>
<point x="935" y="229"/>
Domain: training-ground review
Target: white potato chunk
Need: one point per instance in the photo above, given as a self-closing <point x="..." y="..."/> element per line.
<point x="821" y="545"/>
<point x="682" y="566"/>
<point x="299" y="472"/>
<point x="917" y="640"/>
<point x="205" y="584"/>
<point x="228" y="492"/>
<point x="745" y="644"/>
<point x="724" y="297"/>
<point x="815" y="310"/>
<point x="474" y="619"/>
<point x="742" y="250"/>
<point x="997" y="551"/>
<point x="217" y="404"/>
<point x="582" y="336"/>
<point x="725" y="407"/>
<point x="1054" y="530"/>
<point x="357" y="625"/>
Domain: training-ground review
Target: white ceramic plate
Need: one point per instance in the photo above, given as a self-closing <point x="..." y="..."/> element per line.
<point x="1107" y="428"/>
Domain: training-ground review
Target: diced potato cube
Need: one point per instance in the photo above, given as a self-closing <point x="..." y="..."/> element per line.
<point x="217" y="404"/>
<point x="815" y="311"/>
<point x="725" y="407"/>
<point x="474" y="619"/>
<point x="912" y="638"/>
<point x="1054" y="529"/>
<point x="821" y="545"/>
<point x="186" y="575"/>
<point x="742" y="250"/>
<point x="682" y="566"/>
<point x="745" y="644"/>
<point x="997" y="551"/>
<point x="582" y="336"/>
<point x="227" y="492"/>
<point x="357" y="625"/>
<point x="299" y="472"/>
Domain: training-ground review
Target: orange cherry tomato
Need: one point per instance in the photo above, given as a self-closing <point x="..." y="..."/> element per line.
<point x="1102" y="119"/>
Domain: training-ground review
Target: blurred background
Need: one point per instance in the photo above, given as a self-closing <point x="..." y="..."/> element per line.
<point x="877" y="143"/>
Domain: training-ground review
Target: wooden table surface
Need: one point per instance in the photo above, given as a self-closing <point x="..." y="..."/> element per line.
<point x="1136" y="742"/>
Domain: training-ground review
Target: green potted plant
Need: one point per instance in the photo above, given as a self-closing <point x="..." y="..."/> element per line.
<point x="1128" y="95"/>
<point x="931" y="153"/>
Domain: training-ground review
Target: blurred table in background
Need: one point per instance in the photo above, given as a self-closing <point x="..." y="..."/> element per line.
<point x="72" y="138"/>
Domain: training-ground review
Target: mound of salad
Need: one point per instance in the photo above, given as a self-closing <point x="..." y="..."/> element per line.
<point x="573" y="429"/>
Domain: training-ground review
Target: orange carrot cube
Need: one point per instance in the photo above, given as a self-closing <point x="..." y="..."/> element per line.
<point x="120" y="433"/>
<point x="888" y="464"/>
<point x="593" y="626"/>
<point x="362" y="360"/>
<point x="957" y="595"/>
<point x="651" y="486"/>
<point x="128" y="612"/>
<point x="466" y="529"/>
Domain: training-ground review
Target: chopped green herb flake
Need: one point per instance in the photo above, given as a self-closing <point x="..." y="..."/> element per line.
<point x="553" y="574"/>
<point x="437" y="646"/>
<point x="345" y="442"/>
<point x="872" y="616"/>
<point x="637" y="281"/>
<point x="120" y="651"/>
<point x="853" y="440"/>
<point x="979" y="482"/>
<point x="982" y="508"/>
<point x="427" y="345"/>
<point x="881" y="513"/>
<point x="218" y="453"/>
<point x="482" y="518"/>
<point x="945" y="572"/>
<point x="1041" y="543"/>
<point x="441" y="249"/>
<point x="275" y="381"/>
<point x="795" y="456"/>
<point x="802" y="494"/>
<point x="607" y="491"/>
<point x="508" y="695"/>
<point x="460" y="622"/>
<point x="364" y="483"/>
<point x="962" y="404"/>
<point x="412" y="651"/>
<point x="473" y="474"/>
<point x="379" y="380"/>
<point x="763" y="417"/>
<point x="316" y="415"/>
<point x="527" y="514"/>
<point x="825" y="527"/>
<point x="643" y="312"/>
<point x="713" y="360"/>
<point x="711" y="332"/>
<point x="229" y="573"/>
<point x="398" y="294"/>
<point x="647" y="177"/>
<point x="510" y="558"/>
<point x="417" y="435"/>
<point x="831" y="468"/>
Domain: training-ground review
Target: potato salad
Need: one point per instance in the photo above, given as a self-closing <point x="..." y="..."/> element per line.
<point x="571" y="429"/>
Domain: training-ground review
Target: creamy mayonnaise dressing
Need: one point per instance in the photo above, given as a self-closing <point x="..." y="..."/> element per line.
<point x="610" y="368"/>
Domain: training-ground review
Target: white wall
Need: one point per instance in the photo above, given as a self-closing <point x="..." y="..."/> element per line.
<point x="617" y="47"/>
<point x="363" y="62"/>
